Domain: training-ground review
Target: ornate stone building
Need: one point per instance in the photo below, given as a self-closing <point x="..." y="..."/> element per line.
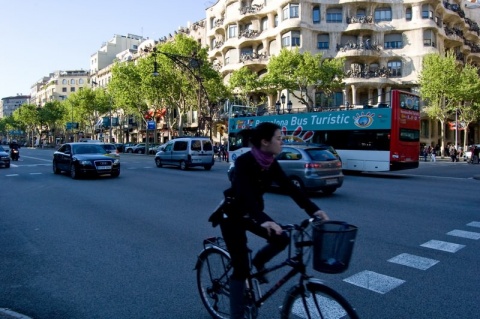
<point x="383" y="43"/>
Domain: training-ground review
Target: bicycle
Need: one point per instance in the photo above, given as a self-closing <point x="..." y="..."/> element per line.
<point x="332" y="244"/>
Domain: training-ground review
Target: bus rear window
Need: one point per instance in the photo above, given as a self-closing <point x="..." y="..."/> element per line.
<point x="407" y="135"/>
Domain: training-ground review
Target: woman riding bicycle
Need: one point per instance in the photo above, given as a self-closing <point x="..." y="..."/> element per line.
<point x="254" y="173"/>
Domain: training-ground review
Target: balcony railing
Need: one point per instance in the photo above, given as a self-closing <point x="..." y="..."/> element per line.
<point x="363" y="19"/>
<point x="362" y="45"/>
<point x="254" y="8"/>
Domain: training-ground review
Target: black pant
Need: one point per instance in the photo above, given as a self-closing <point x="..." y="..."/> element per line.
<point x="234" y="232"/>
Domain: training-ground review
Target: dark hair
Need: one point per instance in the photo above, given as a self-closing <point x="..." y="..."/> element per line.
<point x="263" y="131"/>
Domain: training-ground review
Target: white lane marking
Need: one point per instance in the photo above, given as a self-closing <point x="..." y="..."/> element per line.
<point x="374" y="281"/>
<point x="35" y="173"/>
<point x="36" y="158"/>
<point x="464" y="234"/>
<point x="443" y="246"/>
<point x="413" y="261"/>
<point x="9" y="175"/>
<point x="474" y="224"/>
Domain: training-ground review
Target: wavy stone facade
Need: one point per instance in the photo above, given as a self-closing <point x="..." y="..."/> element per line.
<point x="383" y="42"/>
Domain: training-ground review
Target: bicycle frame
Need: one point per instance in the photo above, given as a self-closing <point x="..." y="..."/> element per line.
<point x="296" y="262"/>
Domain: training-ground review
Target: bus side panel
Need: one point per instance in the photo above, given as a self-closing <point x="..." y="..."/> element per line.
<point x="371" y="161"/>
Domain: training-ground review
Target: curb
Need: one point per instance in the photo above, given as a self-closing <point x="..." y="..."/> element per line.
<point x="6" y="313"/>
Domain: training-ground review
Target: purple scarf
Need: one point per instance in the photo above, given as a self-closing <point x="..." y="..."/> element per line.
<point x="262" y="158"/>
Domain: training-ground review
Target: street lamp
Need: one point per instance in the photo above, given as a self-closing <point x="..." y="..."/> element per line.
<point x="277" y="107"/>
<point x="191" y="64"/>
<point x="283" y="103"/>
<point x="289" y="106"/>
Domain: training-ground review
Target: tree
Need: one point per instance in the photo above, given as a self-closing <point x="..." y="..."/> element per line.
<point x="87" y="105"/>
<point x="469" y="92"/>
<point x="245" y="81"/>
<point x="303" y="74"/>
<point x="439" y="86"/>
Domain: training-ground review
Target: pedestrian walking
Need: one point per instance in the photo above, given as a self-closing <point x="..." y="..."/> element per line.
<point x="433" y="155"/>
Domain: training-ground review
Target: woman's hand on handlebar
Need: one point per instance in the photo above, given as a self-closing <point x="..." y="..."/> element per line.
<point x="272" y="227"/>
<point x="321" y="215"/>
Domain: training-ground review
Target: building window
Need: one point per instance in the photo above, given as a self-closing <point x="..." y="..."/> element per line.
<point x="291" y="39"/>
<point x="393" y="41"/>
<point x="72" y="82"/>
<point x="232" y="31"/>
<point x="264" y="24"/>
<point x="295" y="38"/>
<point x="275" y="21"/>
<point x="316" y="14"/>
<point x="80" y="81"/>
<point x="64" y="89"/>
<point x="328" y="100"/>
<point x="383" y="14"/>
<point x="291" y="11"/>
<point x="323" y="41"/>
<point x="212" y="22"/>
<point x="428" y="38"/>
<point x="64" y="81"/>
<point x="395" y="68"/>
<point x="427" y="12"/>
<point x="72" y="89"/>
<point x="334" y="15"/>
<point x="408" y="14"/>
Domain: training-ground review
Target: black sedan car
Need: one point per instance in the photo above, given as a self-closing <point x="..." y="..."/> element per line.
<point x="84" y="159"/>
<point x="4" y="157"/>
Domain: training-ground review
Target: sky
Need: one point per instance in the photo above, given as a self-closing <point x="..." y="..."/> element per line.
<point x="41" y="37"/>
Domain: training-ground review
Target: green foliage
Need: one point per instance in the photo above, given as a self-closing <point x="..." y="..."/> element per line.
<point x="304" y="73"/>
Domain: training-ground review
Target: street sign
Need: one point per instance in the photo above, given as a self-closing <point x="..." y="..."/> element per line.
<point x="151" y="125"/>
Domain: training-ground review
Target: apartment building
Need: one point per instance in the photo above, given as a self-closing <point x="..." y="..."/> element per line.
<point x="9" y="104"/>
<point x="58" y="85"/>
<point x="383" y="42"/>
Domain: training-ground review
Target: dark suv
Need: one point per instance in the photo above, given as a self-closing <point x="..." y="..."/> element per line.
<point x="312" y="167"/>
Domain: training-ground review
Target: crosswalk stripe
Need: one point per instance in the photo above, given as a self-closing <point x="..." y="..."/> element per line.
<point x="413" y="261"/>
<point x="464" y="234"/>
<point x="374" y="281"/>
<point x="443" y="246"/>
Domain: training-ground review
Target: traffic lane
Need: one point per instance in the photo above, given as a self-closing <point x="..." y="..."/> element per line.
<point x="141" y="238"/>
<point x="395" y="216"/>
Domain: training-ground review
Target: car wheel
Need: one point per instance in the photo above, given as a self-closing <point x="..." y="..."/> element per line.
<point x="73" y="172"/>
<point x="183" y="165"/>
<point x="141" y="151"/>
<point x="129" y="150"/>
<point x="116" y="174"/>
<point x="158" y="162"/>
<point x="56" y="170"/>
<point x="7" y="165"/>
<point x="297" y="182"/>
<point x="329" y="190"/>
<point x="208" y="167"/>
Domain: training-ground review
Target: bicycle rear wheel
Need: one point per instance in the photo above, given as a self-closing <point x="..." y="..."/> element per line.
<point x="213" y="273"/>
<point x="316" y="301"/>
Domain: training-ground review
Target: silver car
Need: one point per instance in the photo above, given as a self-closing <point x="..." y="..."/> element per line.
<point x="311" y="167"/>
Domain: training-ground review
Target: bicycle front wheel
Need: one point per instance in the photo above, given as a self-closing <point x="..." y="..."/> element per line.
<point x="316" y="301"/>
<point x="213" y="273"/>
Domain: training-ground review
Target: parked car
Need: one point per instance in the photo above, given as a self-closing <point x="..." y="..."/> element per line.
<point x="84" y="159"/>
<point x="133" y="148"/>
<point x="4" y="157"/>
<point x="186" y="152"/>
<point x="111" y="150"/>
<point x="467" y="155"/>
<point x="312" y="167"/>
<point x="141" y="149"/>
<point x="155" y="149"/>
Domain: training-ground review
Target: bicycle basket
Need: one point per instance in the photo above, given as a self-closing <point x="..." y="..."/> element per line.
<point x="332" y="246"/>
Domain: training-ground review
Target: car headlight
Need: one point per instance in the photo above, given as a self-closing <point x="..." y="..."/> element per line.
<point x="84" y="163"/>
<point x="116" y="162"/>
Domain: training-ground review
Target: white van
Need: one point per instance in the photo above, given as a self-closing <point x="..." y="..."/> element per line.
<point x="186" y="152"/>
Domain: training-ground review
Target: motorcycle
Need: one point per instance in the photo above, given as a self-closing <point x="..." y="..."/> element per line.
<point x="14" y="154"/>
